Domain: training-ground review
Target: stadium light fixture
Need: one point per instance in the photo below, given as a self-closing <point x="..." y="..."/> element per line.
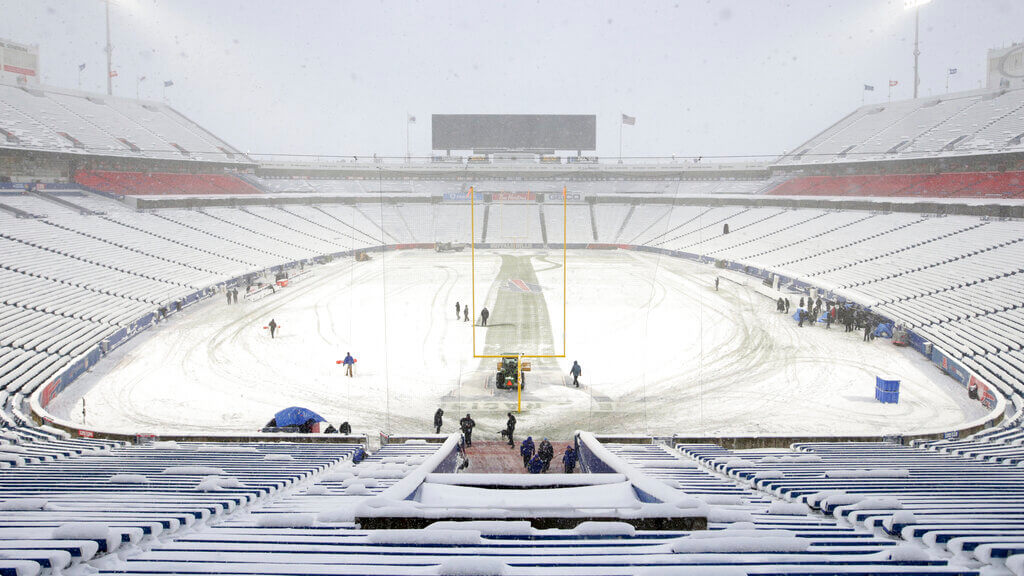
<point x="915" y="5"/>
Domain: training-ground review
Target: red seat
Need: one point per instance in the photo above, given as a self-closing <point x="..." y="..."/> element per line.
<point x="150" y="183"/>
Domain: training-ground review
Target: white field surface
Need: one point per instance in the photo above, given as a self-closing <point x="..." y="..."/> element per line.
<point x="661" y="351"/>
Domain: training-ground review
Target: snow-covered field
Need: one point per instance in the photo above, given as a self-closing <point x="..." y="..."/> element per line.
<point x="662" y="352"/>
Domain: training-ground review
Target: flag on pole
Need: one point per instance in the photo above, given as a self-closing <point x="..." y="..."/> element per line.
<point x="629" y="120"/>
<point x="952" y="71"/>
<point x="893" y="83"/>
<point x="869" y="88"/>
<point x="412" y="119"/>
<point x="81" y="66"/>
<point x="168" y="83"/>
<point x="470" y="193"/>
<point x="113" y="73"/>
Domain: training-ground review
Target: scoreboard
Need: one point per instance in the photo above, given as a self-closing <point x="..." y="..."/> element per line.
<point x="539" y="133"/>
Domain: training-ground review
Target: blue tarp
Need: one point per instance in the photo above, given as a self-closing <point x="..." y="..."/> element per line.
<point x="296" y="416"/>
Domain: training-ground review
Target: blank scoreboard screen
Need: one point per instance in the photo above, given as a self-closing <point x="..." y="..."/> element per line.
<point x="486" y="132"/>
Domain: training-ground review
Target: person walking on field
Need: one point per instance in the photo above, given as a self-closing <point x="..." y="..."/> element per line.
<point x="576" y="372"/>
<point x="484" y="314"/>
<point x="716" y="283"/>
<point x="228" y="292"/>
<point x="458" y="311"/>
<point x="273" y="327"/>
<point x="466" y="425"/>
<point x="234" y="294"/>
<point x="510" y="427"/>
<point x="437" y="420"/>
<point x="465" y="312"/>
<point x="349" y="361"/>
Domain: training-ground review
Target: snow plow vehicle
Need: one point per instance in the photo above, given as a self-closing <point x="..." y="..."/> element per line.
<point x="510" y="374"/>
<point x="449" y="247"/>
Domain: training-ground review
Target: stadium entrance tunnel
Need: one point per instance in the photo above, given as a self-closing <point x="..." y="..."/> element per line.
<point x="562" y="501"/>
<point x="435" y="492"/>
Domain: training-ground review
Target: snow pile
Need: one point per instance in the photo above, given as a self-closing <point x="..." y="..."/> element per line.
<point x="231" y="449"/>
<point x="690" y="503"/>
<point x="166" y="445"/>
<point x="901" y="518"/>
<point x="718" y="514"/>
<point x="488" y="527"/>
<point x="1015" y="564"/>
<point x="16" y="460"/>
<point x="678" y="464"/>
<point x="218" y="483"/>
<point x="734" y="462"/>
<point x="722" y="499"/>
<point x="802" y="458"/>
<point x="367" y="482"/>
<point x="472" y="566"/>
<point x="87" y="531"/>
<point x="13" y="448"/>
<point x="817" y="498"/>
<point x="336" y="476"/>
<point x="342" y="514"/>
<point x="316" y="490"/>
<point x="869" y="473"/>
<point x="604" y="529"/>
<point x="22" y="504"/>
<point x="415" y="441"/>
<point x="21" y="567"/>
<point x="789" y="508"/>
<point x="296" y="520"/>
<point x="841" y="499"/>
<point x="878" y="503"/>
<point x="129" y="479"/>
<point x="385" y="473"/>
<point x="769" y="475"/>
<point x="194" y="470"/>
<point x="426" y="537"/>
<point x="731" y="541"/>
<point x="356" y="489"/>
<point x="278" y="457"/>
<point x="908" y="553"/>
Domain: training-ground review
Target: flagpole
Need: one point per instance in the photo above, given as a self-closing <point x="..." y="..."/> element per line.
<point x="406" y="137"/>
<point x="620" y="138"/>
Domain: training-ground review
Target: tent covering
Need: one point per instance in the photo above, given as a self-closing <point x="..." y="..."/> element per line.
<point x="296" y="416"/>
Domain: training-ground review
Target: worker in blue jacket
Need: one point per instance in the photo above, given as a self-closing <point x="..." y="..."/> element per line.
<point x="527" y="450"/>
<point x="569" y="459"/>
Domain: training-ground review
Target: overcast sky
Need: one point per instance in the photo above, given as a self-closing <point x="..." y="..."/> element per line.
<point x="708" y="77"/>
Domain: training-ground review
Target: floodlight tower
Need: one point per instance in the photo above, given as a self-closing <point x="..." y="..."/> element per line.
<point x="916" y="5"/>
